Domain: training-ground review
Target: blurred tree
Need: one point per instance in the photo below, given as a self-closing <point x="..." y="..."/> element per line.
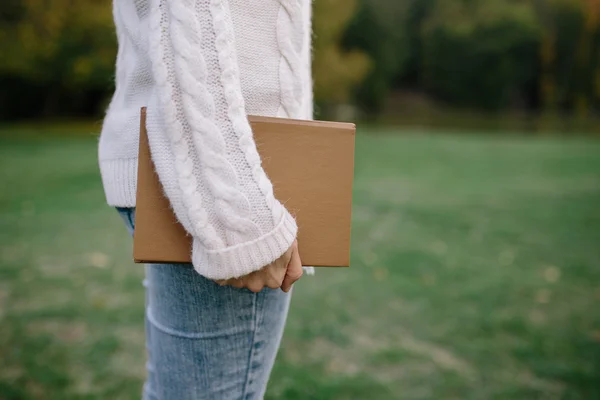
<point x="570" y="54"/>
<point x="481" y="53"/>
<point x="418" y="13"/>
<point x="565" y="25"/>
<point x="335" y="70"/>
<point x="590" y="54"/>
<point x="377" y="29"/>
<point x="59" y="56"/>
<point x="497" y="54"/>
<point x="547" y="84"/>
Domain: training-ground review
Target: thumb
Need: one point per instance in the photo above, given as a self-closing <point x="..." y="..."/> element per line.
<point x="293" y="273"/>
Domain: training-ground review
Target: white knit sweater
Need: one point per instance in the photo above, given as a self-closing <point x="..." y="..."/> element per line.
<point x="201" y="66"/>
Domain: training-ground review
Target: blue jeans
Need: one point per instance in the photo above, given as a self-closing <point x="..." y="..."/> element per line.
<point x="207" y="341"/>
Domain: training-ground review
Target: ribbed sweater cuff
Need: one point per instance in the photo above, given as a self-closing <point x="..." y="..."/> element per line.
<point x="246" y="257"/>
<point x="119" y="177"/>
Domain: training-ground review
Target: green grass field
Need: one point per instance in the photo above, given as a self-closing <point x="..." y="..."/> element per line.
<point x="475" y="275"/>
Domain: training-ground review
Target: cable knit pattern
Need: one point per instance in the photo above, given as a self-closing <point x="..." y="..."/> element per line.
<point x="174" y="123"/>
<point x="179" y="58"/>
<point x="232" y="206"/>
<point x="290" y="35"/>
<point x="229" y="78"/>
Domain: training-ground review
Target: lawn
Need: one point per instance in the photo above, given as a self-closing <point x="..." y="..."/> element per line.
<point x="475" y="275"/>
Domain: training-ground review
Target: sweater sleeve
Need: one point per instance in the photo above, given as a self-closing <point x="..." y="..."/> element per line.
<point x="202" y="144"/>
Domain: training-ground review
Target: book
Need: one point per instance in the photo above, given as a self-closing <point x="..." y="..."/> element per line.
<point x="311" y="167"/>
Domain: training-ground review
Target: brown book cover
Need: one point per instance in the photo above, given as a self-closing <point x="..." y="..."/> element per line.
<point x="311" y="166"/>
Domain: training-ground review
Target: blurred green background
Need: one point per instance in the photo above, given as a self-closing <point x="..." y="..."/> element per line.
<point x="393" y="60"/>
<point x="476" y="228"/>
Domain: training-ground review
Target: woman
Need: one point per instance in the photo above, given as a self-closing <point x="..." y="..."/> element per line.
<point x="200" y="66"/>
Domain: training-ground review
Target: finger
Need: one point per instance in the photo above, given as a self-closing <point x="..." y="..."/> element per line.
<point x="237" y="283"/>
<point x="254" y="282"/>
<point x="255" y="286"/>
<point x="225" y="282"/>
<point x="294" y="272"/>
<point x="274" y="276"/>
<point x="273" y="283"/>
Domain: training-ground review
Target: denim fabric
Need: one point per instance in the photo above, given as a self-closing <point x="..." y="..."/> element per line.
<point x="205" y="341"/>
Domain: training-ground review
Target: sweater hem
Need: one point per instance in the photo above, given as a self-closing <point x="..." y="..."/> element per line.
<point x="119" y="178"/>
<point x="242" y="259"/>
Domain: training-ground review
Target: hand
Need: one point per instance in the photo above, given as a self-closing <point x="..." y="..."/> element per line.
<point x="281" y="273"/>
